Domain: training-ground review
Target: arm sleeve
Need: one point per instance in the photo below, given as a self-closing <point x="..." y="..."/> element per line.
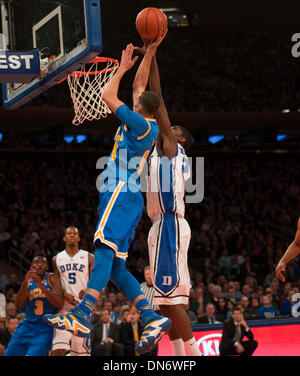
<point x="134" y="121"/>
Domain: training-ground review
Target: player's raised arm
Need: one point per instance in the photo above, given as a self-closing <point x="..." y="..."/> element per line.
<point x="161" y="114"/>
<point x="110" y="93"/>
<point x="142" y="75"/>
<point x="292" y="252"/>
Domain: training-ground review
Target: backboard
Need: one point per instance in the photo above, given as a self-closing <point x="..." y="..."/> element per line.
<point x="67" y="34"/>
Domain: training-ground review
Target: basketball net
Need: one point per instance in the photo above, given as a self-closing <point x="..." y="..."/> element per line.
<point x="86" y="88"/>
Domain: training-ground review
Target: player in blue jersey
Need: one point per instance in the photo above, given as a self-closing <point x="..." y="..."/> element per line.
<point x="121" y="204"/>
<point x="39" y="294"/>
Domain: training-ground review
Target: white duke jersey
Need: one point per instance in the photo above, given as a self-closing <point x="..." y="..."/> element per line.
<point x="74" y="271"/>
<point x="165" y="191"/>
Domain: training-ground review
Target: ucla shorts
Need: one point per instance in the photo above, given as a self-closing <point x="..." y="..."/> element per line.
<point x="168" y="243"/>
<point x="30" y="339"/>
<point x="119" y="212"/>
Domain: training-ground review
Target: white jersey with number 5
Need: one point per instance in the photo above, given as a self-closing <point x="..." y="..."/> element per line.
<point x="74" y="271"/>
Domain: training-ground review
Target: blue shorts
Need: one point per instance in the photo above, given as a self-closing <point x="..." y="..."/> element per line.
<point x="119" y="212"/>
<point x="30" y="339"/>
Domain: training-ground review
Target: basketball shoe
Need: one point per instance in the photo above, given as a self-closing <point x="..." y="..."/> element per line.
<point x="152" y="333"/>
<point x="75" y="321"/>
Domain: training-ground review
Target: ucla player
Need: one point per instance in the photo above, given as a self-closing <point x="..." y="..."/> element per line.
<point x="39" y="294"/>
<point x="74" y="267"/>
<point x="292" y="252"/>
<point x="169" y="236"/>
<point x="121" y="203"/>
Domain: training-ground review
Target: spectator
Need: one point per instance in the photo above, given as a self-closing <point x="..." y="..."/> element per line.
<point x="13" y="283"/>
<point x="266" y="310"/>
<point x="233" y="333"/>
<point x="225" y="262"/>
<point x="191" y="314"/>
<point x="105" y="337"/>
<point x="246" y="291"/>
<point x="229" y="307"/>
<point x="286" y="305"/>
<point x="121" y="298"/>
<point x="216" y="294"/>
<point x="124" y="312"/>
<point x="11" y="310"/>
<point x="200" y="301"/>
<point x="237" y="287"/>
<point x="210" y="315"/>
<point x="11" y="324"/>
<point x="231" y="295"/>
<point x="221" y="310"/>
<point x="130" y="334"/>
<point x="254" y="306"/>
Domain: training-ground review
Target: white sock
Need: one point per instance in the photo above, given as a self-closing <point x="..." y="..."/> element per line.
<point x="178" y="347"/>
<point x="192" y="347"/>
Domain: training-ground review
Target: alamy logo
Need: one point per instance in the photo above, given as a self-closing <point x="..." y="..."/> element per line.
<point x="137" y="177"/>
<point x="296" y="47"/>
<point x="167" y="280"/>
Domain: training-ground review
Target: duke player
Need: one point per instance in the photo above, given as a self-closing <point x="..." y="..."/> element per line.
<point x="169" y="236"/>
<point x="121" y="204"/>
<point x="73" y="266"/>
<point x="40" y="293"/>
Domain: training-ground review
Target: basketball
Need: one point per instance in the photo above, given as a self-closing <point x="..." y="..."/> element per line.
<point x="150" y="22"/>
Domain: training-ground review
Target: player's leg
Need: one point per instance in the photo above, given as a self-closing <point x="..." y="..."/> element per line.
<point x="60" y="342"/>
<point x="168" y="243"/>
<point x="182" y="325"/>
<point x="80" y="346"/>
<point x="176" y="341"/>
<point x="40" y="343"/>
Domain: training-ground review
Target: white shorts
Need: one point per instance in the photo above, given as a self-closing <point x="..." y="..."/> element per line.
<point x="168" y="243"/>
<point x="64" y="340"/>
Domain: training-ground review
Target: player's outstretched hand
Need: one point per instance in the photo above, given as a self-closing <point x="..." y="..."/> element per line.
<point x="281" y="267"/>
<point x="142" y="50"/>
<point x="127" y="62"/>
<point x="153" y="44"/>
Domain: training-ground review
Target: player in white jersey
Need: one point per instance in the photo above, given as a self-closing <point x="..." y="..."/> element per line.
<point x="73" y="266"/>
<point x="169" y="236"/>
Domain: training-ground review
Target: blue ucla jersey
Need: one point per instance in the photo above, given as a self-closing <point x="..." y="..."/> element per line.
<point x="134" y="140"/>
<point x="37" y="303"/>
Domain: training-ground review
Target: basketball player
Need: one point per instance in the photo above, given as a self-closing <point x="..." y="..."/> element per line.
<point x="40" y="293"/>
<point x="169" y="236"/>
<point x="73" y="266"/>
<point x="121" y="204"/>
<point x="292" y="252"/>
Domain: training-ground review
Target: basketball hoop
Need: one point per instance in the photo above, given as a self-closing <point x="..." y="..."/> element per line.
<point x="86" y="88"/>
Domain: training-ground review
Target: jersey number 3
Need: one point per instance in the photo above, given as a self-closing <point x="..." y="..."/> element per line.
<point x="39" y="307"/>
